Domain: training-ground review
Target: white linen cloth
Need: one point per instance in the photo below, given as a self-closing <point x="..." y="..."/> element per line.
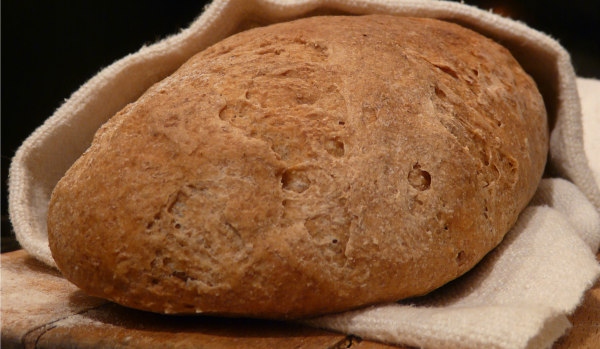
<point x="517" y="297"/>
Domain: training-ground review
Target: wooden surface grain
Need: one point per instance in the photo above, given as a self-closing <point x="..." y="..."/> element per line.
<point x="117" y="327"/>
<point x="35" y="295"/>
<point x="40" y="309"/>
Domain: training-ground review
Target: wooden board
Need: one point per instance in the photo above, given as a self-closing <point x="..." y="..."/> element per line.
<point x="40" y="309"/>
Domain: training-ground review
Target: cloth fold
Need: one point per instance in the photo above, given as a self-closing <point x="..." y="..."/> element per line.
<point x="516" y="298"/>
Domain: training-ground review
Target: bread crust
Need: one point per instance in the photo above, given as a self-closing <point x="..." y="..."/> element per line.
<point x="305" y="168"/>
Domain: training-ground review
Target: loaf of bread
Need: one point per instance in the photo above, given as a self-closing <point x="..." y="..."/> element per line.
<point x="305" y="168"/>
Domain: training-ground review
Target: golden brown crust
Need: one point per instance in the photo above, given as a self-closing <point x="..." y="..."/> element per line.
<point x="304" y="168"/>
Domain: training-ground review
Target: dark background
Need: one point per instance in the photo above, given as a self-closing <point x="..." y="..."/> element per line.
<point x="52" y="47"/>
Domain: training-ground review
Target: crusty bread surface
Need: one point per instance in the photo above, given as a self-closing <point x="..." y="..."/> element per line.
<point x="305" y="168"/>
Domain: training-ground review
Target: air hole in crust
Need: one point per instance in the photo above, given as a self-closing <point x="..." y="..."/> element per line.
<point x="335" y="147"/>
<point x="295" y="180"/>
<point x="447" y="70"/>
<point x="151" y="224"/>
<point x="485" y="156"/>
<point x="461" y="258"/>
<point x="223" y="113"/>
<point x="177" y="226"/>
<point x="181" y="275"/>
<point x="420" y="180"/>
<point x="341" y="123"/>
<point x="440" y="93"/>
<point x="335" y="241"/>
<point x="476" y="72"/>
